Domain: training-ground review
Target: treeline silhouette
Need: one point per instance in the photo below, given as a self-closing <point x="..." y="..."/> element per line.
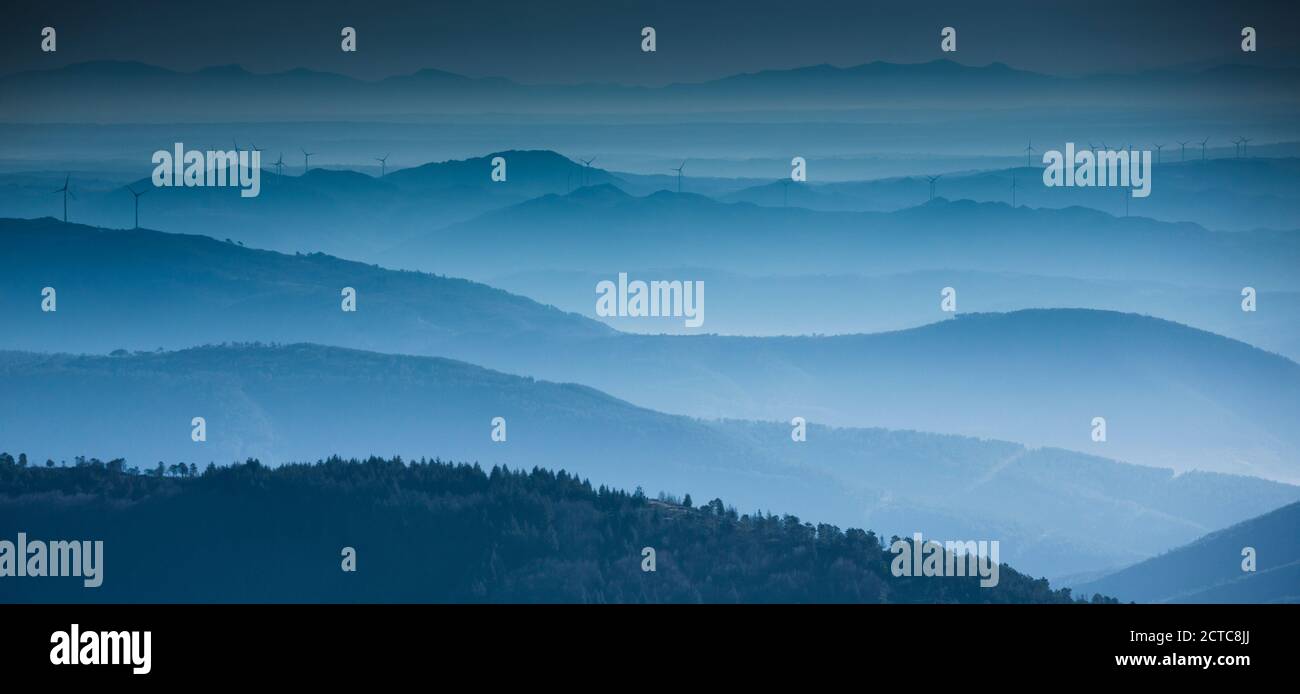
<point x="431" y="531"/>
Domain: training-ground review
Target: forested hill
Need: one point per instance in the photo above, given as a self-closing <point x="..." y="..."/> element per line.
<point x="438" y="532"/>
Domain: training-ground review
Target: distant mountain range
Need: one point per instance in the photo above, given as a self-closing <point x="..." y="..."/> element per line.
<point x="1210" y="570"/>
<point x="342" y="212"/>
<point x="126" y="91"/>
<point x="603" y="229"/>
<point x="1224" y="194"/>
<point x="1054" y="512"/>
<point x="146" y="289"/>
<point x="771" y="305"/>
<point x="1173" y="396"/>
<point x="364" y="217"/>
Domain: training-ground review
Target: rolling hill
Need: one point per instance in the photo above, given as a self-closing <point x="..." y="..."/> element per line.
<point x="771" y="305"/>
<point x="1234" y="194"/>
<point x="1172" y="395"/>
<point x="341" y="212"/>
<point x="1210" y="570"/>
<point x="434" y="532"/>
<point x="606" y="230"/>
<point x="146" y="289"/>
<point x="1053" y="511"/>
<point x="135" y="92"/>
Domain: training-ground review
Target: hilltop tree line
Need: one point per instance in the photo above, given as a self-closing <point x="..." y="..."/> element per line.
<point x="432" y="531"/>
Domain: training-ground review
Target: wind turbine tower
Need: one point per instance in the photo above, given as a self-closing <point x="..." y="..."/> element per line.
<point x="679" y="175"/>
<point x="137" y="203"/>
<point x="66" y="192"/>
<point x="933" y="180"/>
<point x="383" y="164"/>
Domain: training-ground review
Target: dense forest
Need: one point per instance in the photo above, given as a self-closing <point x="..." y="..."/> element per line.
<point x="431" y="531"/>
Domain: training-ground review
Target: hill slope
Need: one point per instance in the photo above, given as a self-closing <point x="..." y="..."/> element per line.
<point x="341" y="212"/>
<point x="1235" y="194"/>
<point x="441" y="533"/>
<point x="1173" y="396"/>
<point x="134" y="92"/>
<point x="146" y="289"/>
<point x="666" y="229"/>
<point x="1210" y="569"/>
<point x="1055" y="512"/>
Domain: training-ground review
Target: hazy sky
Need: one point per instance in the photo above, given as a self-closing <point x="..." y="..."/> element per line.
<point x="567" y="41"/>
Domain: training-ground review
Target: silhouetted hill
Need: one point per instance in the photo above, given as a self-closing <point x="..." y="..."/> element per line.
<point x="1055" y="512"/>
<point x="434" y="532"/>
<point x="1173" y="396"/>
<point x="335" y="211"/>
<point x="1210" y="569"/>
<point x="769" y="305"/>
<point x="1237" y="194"/>
<point x="141" y="93"/>
<point x="667" y="229"/>
<point x="530" y="173"/>
<point x="145" y="289"/>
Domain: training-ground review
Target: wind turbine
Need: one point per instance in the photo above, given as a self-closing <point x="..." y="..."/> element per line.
<point x="66" y="192"/>
<point x="1158" y="148"/>
<point x="679" y="175"/>
<point x="932" y="180"/>
<point x="137" y="203"/>
<point x="1029" y="153"/>
<point x="1236" y="147"/>
<point x="1244" y="142"/>
<point x="1203" y="148"/>
<point x="1182" y="149"/>
<point x="586" y="169"/>
<point x="383" y="163"/>
<point x="279" y="164"/>
<point x="306" y="159"/>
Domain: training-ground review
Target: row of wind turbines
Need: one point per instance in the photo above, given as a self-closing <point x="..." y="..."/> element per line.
<point x="1240" y="144"/>
<point x="1239" y="147"/>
